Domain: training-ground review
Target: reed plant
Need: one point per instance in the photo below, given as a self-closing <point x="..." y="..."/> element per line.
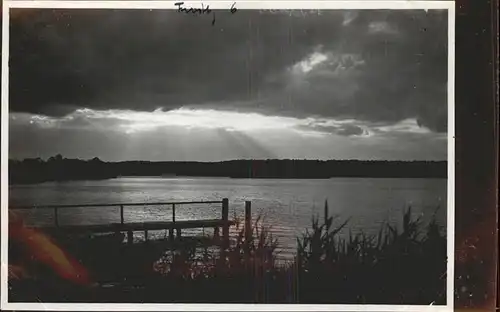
<point x="397" y="265"/>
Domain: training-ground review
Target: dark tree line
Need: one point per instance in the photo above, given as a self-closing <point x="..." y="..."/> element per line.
<point x="57" y="168"/>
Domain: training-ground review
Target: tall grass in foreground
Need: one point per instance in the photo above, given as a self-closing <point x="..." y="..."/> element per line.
<point x="245" y="252"/>
<point x="404" y="265"/>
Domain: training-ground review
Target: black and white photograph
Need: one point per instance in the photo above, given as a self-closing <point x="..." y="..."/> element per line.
<point x="227" y="153"/>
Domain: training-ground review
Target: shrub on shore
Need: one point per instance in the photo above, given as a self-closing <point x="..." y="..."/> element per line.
<point x="404" y="265"/>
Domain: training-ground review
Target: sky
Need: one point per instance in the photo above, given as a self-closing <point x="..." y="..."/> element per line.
<point x="161" y="85"/>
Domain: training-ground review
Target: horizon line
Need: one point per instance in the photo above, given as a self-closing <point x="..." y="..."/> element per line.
<point x="228" y="160"/>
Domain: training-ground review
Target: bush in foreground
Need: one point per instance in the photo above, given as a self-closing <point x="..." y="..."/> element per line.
<point x="399" y="266"/>
<point x="396" y="266"/>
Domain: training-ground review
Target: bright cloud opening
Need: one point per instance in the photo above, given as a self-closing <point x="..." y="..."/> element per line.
<point x="310" y="62"/>
<point x="127" y="121"/>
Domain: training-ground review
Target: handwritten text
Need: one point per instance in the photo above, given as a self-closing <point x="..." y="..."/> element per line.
<point x="204" y="10"/>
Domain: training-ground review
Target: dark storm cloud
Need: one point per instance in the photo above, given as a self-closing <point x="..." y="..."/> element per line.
<point x="380" y="65"/>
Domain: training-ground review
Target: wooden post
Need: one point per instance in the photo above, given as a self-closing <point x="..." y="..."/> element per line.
<point x="121" y="214"/>
<point x="248" y="221"/>
<point x="225" y="226"/>
<point x="56" y="217"/>
<point x="145" y="235"/>
<point x="171" y="231"/>
<point x="216" y="233"/>
<point x="130" y="237"/>
<point x="248" y="227"/>
<point x="177" y="230"/>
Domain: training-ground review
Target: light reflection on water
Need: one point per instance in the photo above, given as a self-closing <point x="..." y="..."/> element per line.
<point x="285" y="205"/>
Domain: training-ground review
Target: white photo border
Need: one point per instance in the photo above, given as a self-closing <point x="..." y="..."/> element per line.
<point x="241" y="5"/>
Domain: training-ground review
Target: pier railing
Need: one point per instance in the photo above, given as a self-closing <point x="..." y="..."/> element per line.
<point x="173" y="225"/>
<point x="130" y="227"/>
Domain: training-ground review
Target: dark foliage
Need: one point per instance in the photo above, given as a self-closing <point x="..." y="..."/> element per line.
<point x="397" y="266"/>
<point x="58" y="168"/>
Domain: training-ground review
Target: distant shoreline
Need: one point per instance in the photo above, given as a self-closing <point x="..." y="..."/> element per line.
<point x="206" y="177"/>
<point x="268" y="178"/>
<point x="30" y="171"/>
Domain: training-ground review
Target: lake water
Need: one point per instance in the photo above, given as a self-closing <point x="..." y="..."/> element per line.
<point x="286" y="205"/>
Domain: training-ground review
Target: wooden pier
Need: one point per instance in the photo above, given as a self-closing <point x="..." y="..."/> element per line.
<point x="130" y="227"/>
